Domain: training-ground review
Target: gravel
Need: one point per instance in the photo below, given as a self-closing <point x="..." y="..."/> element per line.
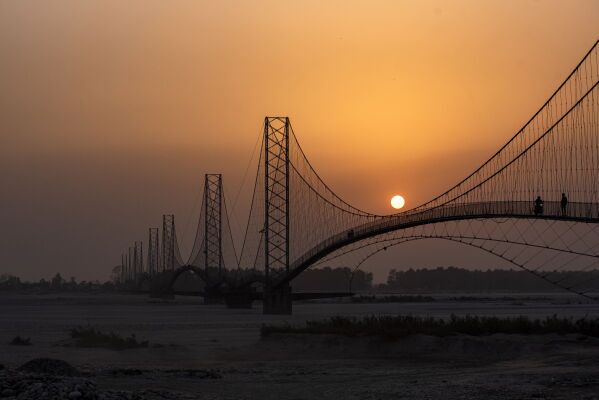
<point x="20" y="385"/>
<point x="45" y="378"/>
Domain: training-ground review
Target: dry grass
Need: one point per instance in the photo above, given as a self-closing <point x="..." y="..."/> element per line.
<point x="394" y="327"/>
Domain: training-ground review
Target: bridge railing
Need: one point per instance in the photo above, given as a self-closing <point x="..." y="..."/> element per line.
<point x="504" y="209"/>
<point x="574" y="211"/>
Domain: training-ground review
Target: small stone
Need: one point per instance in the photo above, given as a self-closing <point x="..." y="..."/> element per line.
<point x="75" y="394"/>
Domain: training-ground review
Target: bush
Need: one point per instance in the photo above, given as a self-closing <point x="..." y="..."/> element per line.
<point x="20" y="341"/>
<point x="400" y="326"/>
<point x="91" y="337"/>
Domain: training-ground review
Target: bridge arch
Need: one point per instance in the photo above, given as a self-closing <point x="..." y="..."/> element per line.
<point x="172" y="278"/>
<point x="397" y="242"/>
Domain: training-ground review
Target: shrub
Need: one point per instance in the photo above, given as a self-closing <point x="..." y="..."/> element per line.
<point x="91" y="337"/>
<point x="20" y="341"/>
<point x="393" y="327"/>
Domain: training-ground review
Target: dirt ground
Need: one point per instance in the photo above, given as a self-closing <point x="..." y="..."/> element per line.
<point x="189" y="339"/>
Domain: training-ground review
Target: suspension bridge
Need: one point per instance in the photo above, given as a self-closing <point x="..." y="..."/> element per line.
<point x="534" y="203"/>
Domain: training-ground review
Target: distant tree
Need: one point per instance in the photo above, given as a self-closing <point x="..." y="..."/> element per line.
<point x="10" y="282"/>
<point x="116" y="274"/>
<point x="57" y="282"/>
<point x="72" y="284"/>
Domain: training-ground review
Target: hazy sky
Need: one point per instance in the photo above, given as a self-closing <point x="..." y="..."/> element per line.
<point x="112" y="111"/>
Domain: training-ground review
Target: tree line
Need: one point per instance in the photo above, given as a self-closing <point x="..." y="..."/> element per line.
<point x="57" y="283"/>
<point x="344" y="279"/>
<point x="460" y="279"/>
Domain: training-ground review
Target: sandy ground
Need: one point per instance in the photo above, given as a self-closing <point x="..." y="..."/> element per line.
<point x="227" y="342"/>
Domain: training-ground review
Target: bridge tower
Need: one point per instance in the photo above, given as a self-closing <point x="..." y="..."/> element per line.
<point x="277" y="300"/>
<point x="213" y="244"/>
<point x="124" y="271"/>
<point x="153" y="251"/>
<point x="168" y="242"/>
<point x="138" y="260"/>
<point x="130" y="258"/>
<point x="213" y="241"/>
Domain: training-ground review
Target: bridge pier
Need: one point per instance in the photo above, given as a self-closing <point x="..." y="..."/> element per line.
<point x="213" y="295"/>
<point x="240" y="299"/>
<point x="160" y="288"/>
<point x="278" y="301"/>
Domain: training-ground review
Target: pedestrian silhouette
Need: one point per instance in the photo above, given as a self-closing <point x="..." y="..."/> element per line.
<point x="564" y="203"/>
<point x="539" y="206"/>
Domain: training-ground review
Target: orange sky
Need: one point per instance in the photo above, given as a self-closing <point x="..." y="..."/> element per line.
<point x="112" y="111"/>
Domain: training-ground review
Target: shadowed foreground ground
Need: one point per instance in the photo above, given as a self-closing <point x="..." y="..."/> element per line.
<point x="199" y="352"/>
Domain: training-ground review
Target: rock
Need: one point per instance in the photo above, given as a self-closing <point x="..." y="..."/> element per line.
<point x="8" y="392"/>
<point x="49" y="366"/>
<point x="75" y="394"/>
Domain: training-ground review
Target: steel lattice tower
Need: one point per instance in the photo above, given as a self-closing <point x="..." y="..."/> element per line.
<point x="130" y="264"/>
<point x="124" y="267"/>
<point x="153" y="251"/>
<point x="276" y="213"/>
<point x="168" y="242"/>
<point x="276" y="186"/>
<point x="213" y="198"/>
<point x="138" y="259"/>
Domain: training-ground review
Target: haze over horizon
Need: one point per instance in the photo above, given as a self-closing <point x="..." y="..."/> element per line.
<point x="112" y="112"/>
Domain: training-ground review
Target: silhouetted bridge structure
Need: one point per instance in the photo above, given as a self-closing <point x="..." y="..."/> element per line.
<point x="297" y="221"/>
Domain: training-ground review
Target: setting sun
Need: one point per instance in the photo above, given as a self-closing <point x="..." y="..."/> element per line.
<point x="397" y="202"/>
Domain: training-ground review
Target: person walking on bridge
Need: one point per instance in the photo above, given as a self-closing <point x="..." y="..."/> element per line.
<point x="539" y="206"/>
<point x="564" y="203"/>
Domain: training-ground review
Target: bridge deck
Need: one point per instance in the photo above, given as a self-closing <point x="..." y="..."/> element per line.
<point x="578" y="212"/>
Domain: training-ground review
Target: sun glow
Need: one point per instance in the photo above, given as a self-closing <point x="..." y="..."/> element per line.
<point x="398" y="202"/>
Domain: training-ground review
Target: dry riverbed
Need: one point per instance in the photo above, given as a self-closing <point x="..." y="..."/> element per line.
<point x="208" y="352"/>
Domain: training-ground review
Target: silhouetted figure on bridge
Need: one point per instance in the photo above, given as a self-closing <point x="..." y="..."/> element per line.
<point x="564" y="203"/>
<point x="539" y="206"/>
